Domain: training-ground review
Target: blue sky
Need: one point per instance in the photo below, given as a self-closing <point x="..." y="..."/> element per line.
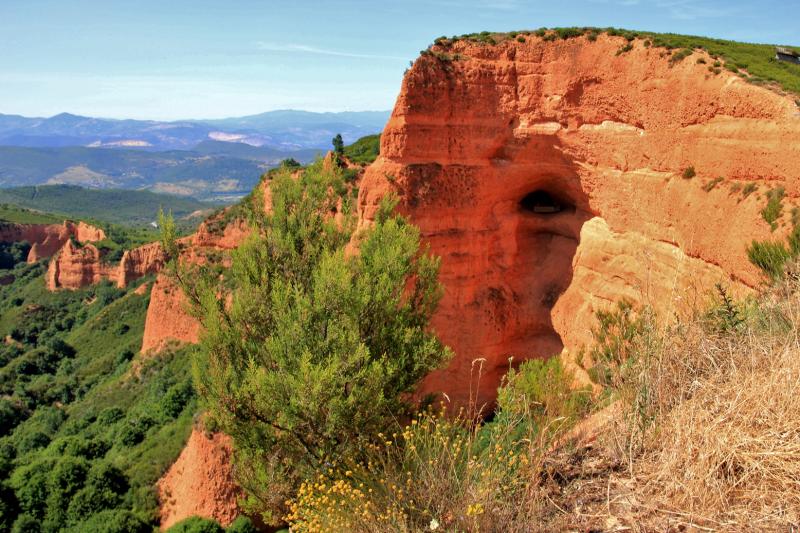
<point x="168" y="59"/>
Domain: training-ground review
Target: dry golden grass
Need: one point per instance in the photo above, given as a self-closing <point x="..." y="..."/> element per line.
<point x="709" y="438"/>
<point x="725" y="445"/>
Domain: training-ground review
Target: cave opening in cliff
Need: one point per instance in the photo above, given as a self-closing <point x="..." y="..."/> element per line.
<point x="543" y="202"/>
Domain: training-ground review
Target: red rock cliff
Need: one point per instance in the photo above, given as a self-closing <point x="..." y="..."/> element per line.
<point x="47" y="239"/>
<point x="167" y="316"/>
<point x="139" y="262"/>
<point x="200" y="482"/>
<point x="76" y="267"/>
<point x="548" y="177"/>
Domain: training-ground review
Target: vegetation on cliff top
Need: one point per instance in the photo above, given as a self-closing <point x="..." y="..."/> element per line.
<point x="754" y="62"/>
<point x="365" y="150"/>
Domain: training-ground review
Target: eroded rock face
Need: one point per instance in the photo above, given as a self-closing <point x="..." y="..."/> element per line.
<point x="168" y="318"/>
<point x="47" y="239"/>
<point x="76" y="266"/>
<point x="139" y="262"/>
<point x="200" y="482"/>
<point x="548" y="177"/>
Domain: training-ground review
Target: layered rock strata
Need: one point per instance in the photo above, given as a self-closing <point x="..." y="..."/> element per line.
<point x="549" y="176"/>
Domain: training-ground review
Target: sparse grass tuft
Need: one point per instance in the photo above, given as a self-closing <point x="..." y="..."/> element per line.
<point x="772" y="211"/>
<point x="708" y="187"/>
<point x="749" y="189"/>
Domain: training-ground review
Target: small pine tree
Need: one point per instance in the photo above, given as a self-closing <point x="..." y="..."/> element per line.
<point x="338" y="145"/>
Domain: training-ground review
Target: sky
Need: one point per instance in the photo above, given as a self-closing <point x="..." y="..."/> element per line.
<point x="180" y="59"/>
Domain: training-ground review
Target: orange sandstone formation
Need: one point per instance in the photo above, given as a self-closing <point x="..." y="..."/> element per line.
<point x="200" y="482"/>
<point x="73" y="267"/>
<point x="548" y="177"/>
<point x="167" y="316"/>
<point x="76" y="266"/>
<point x="139" y="262"/>
<point x="47" y="239"/>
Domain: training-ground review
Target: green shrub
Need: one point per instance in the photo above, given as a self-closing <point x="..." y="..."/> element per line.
<point x="708" y="187"/>
<point x="679" y="56"/>
<point x="568" y="33"/>
<point x="176" y="399"/>
<point x="25" y="523"/>
<point x="769" y="256"/>
<point x="772" y="211"/>
<point x="11" y="414"/>
<point x="614" y="352"/>
<point x="365" y="150"/>
<point x="749" y="189"/>
<point x="542" y="390"/>
<point x="114" y="521"/>
<point x="241" y="525"/>
<point x="624" y="49"/>
<point x="195" y="524"/>
<point x="688" y="173"/>
<point x="325" y="366"/>
<point x="30" y="486"/>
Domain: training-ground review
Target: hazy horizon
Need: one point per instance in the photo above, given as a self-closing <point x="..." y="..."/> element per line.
<point x="195" y="119"/>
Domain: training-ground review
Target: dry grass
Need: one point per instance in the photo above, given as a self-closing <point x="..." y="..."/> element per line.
<point x="725" y="449"/>
<point x="710" y="439"/>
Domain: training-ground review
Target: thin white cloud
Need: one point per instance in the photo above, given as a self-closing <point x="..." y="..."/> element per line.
<point x="679" y="9"/>
<point x="304" y="49"/>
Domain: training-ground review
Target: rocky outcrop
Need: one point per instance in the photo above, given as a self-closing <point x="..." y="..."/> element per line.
<point x="47" y="239"/>
<point x="549" y="178"/>
<point x="76" y="266"/>
<point x="228" y="237"/>
<point x="200" y="482"/>
<point x="168" y="319"/>
<point x="139" y="262"/>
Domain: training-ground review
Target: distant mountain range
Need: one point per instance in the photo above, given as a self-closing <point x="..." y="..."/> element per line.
<point x="203" y="175"/>
<point x="286" y="130"/>
<point x="218" y="160"/>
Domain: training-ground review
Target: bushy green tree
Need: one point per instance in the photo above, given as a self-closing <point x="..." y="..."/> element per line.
<point x="25" y="523"/>
<point x="195" y="524"/>
<point x="308" y="350"/>
<point x="114" y="521"/>
<point x="241" y="525"/>
<point x="338" y="145"/>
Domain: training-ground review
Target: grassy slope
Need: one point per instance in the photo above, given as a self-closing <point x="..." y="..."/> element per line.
<point x="365" y="150"/>
<point x="20" y="215"/>
<point x="106" y="332"/>
<point x="757" y="61"/>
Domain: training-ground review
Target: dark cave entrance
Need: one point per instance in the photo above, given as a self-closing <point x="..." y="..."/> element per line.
<point x="543" y="202"/>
